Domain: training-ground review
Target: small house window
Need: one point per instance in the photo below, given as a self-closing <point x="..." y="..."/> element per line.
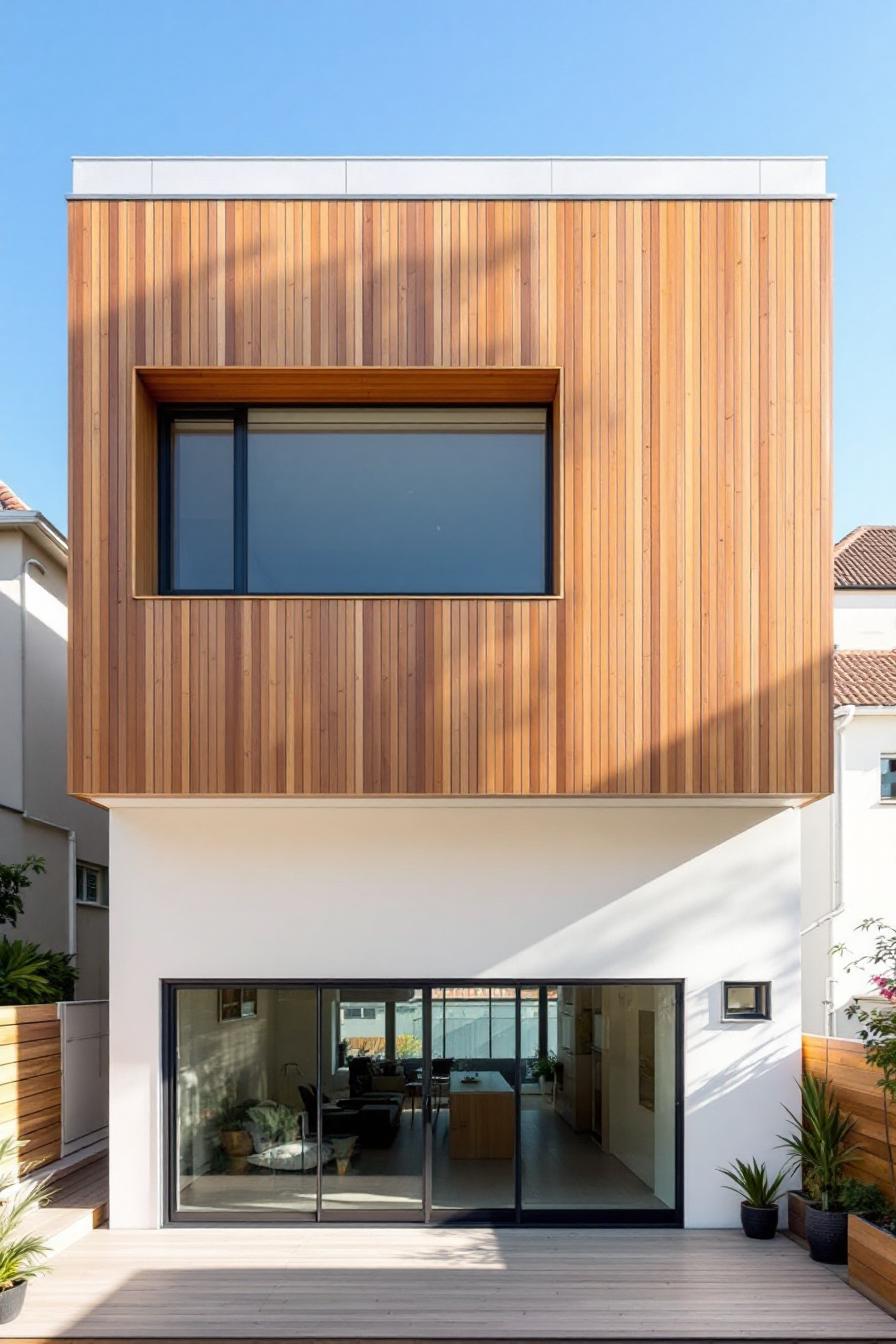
<point x="888" y="778"/>
<point x="91" y="885"/>
<point x="746" y="1000"/>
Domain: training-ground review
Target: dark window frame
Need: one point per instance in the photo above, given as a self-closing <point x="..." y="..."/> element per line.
<point x="764" y="998"/>
<point x="598" y="1216"/>
<point x="239" y="414"/>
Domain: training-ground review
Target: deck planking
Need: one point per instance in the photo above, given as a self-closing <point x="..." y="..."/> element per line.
<point x="441" y="1283"/>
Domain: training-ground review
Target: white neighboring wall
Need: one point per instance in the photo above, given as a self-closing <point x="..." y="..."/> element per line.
<point x="490" y="889"/>
<point x="849" y="839"/>
<point x="865" y="619"/>
<point x="37" y="815"/>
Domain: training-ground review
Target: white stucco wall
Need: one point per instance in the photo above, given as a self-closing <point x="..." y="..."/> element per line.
<point x="865" y="619"/>
<point x="486" y="890"/>
<point x="868" y="851"/>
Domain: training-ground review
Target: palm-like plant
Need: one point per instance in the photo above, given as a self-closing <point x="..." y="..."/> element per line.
<point x="22" y="1253"/>
<point x="752" y="1182"/>
<point x="820" y="1143"/>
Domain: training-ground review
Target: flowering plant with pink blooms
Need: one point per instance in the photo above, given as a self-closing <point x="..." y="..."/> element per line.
<point x="877" y="1024"/>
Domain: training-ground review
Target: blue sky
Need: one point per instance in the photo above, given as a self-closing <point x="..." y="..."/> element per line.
<point x="491" y="77"/>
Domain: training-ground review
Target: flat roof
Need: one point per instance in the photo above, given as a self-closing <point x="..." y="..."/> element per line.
<point x="499" y="178"/>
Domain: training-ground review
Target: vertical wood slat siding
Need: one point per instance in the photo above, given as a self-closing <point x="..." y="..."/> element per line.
<point x="855" y="1085"/>
<point x="689" y="653"/>
<point x="31" y="1082"/>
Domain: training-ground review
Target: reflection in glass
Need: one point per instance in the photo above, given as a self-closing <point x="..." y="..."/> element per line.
<point x="600" y="1133"/>
<point x="371" y="1080"/>
<point x="246" y="1146"/>
<point x="397" y="501"/>
<point x="474" y="1074"/>
<point x="202" y="500"/>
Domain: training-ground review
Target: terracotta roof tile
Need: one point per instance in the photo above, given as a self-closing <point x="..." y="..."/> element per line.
<point x="10" y="500"/>
<point x="866" y="558"/>
<point x="865" y="677"/>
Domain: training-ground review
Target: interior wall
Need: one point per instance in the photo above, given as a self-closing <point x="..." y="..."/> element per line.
<point x="480" y="891"/>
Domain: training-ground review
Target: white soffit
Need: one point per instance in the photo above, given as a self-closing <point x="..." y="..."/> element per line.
<point x="459" y="178"/>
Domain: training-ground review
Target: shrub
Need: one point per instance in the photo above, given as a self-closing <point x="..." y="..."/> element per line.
<point x="28" y="974"/>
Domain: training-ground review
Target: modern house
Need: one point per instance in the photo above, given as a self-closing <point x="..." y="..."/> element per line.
<point x="451" y="647"/>
<point x="66" y="907"/>
<point x="850" y="838"/>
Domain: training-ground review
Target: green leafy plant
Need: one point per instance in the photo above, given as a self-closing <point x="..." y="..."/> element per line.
<point x="820" y="1143"/>
<point x="866" y="1199"/>
<point x="274" y="1122"/>
<point x="14" y="878"/>
<point x="752" y="1182"/>
<point x="22" y="1254"/>
<point x="877" y="1024"/>
<point x="408" y="1046"/>
<point x="29" y="974"/>
<point x="543" y="1066"/>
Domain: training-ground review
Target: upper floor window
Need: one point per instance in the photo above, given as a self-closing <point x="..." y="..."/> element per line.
<point x="92" y="884"/>
<point x="398" y="500"/>
<point x="888" y="778"/>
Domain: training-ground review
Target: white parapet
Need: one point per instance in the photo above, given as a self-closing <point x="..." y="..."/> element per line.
<point x="439" y="178"/>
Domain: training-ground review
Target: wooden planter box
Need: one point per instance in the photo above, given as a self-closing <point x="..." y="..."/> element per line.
<point x="31" y="1081"/>
<point x="796" y="1214"/>
<point x="872" y="1262"/>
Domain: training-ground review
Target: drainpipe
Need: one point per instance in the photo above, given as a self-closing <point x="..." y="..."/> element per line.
<point x="72" y="912"/>
<point x="843" y="717"/>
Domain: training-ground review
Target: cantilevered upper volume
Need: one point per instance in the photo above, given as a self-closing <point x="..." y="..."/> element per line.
<point x="749" y="177"/>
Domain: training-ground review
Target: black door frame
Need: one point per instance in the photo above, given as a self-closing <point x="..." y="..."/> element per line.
<point x="585" y="1217"/>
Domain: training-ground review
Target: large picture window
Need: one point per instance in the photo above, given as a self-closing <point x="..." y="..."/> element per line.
<point x="328" y="501"/>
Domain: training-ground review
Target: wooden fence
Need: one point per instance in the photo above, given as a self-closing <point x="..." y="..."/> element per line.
<point x="855" y="1084"/>
<point x="31" y="1081"/>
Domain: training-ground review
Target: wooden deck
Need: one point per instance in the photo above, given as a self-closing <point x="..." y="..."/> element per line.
<point x="438" y="1283"/>
<point x="78" y="1202"/>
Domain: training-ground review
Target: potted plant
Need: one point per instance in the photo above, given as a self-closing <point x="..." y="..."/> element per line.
<point x="544" y="1068"/>
<point x="820" y="1147"/>
<point x="759" y="1196"/>
<point x="233" y="1133"/>
<point x="22" y="1253"/>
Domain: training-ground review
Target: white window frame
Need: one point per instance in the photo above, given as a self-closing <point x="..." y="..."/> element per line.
<point x="102" y="885"/>
<point x="882" y="797"/>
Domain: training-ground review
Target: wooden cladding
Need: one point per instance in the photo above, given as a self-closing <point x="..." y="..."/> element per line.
<point x="31" y="1082"/>
<point x="856" y="1086"/>
<point x="689" y="651"/>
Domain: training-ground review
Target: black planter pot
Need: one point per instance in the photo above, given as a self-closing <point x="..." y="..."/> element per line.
<point x="826" y="1233"/>
<point x="11" y="1301"/>
<point x="760" y="1224"/>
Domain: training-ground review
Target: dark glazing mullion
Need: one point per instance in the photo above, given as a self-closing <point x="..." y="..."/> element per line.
<point x="166" y="503"/>
<point x="518" y="1111"/>
<point x="319" y="1105"/>
<point x="426" y="1105"/>
<point x="240" y="500"/>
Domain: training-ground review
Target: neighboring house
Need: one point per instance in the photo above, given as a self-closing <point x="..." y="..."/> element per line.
<point x="451" y="648"/>
<point x="66" y="909"/>
<point x="850" y="839"/>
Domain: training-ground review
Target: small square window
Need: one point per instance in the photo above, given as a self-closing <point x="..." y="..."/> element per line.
<point x="746" y="1001"/>
<point x="888" y="778"/>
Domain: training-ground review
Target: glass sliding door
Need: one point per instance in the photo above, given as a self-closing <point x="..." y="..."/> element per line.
<point x="244" y="1145"/>
<point x="474" y="1112"/>
<point x="535" y="1102"/>
<point x="373" y="1111"/>
<point x="599" y="1125"/>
